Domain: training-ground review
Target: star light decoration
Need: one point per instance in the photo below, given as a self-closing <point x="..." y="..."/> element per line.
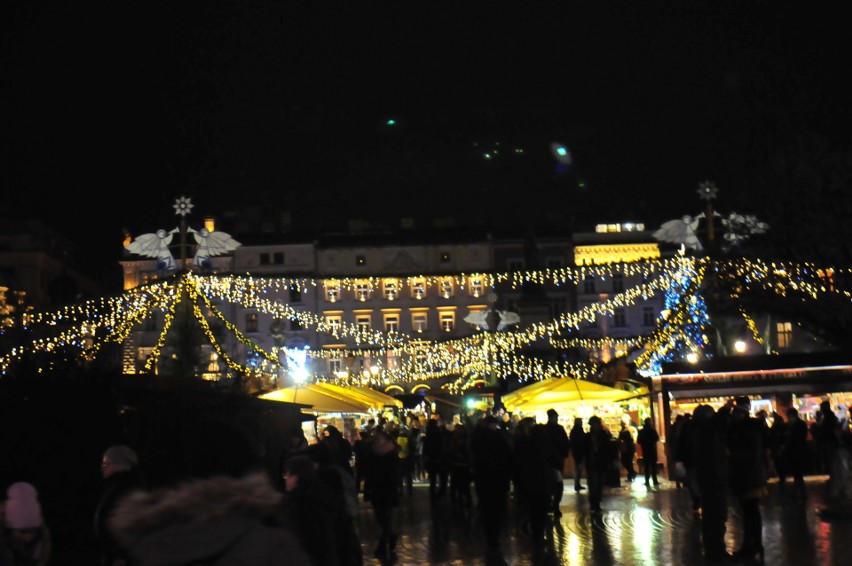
<point x="707" y="191"/>
<point x="183" y="206"/>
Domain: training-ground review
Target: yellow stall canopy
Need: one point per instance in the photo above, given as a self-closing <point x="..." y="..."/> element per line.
<point x="321" y="398"/>
<point x="376" y="399"/>
<point x="564" y="392"/>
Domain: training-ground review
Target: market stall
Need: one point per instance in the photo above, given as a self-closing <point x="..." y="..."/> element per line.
<point x="343" y="410"/>
<point x="578" y="398"/>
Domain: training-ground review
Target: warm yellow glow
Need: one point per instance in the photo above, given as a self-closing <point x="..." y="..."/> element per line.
<point x="616" y="253"/>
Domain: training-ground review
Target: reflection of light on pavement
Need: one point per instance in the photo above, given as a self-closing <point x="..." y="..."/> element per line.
<point x="573" y="549"/>
<point x="614" y="531"/>
<point x="643" y="534"/>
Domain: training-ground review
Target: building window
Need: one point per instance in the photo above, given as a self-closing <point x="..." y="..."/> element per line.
<point x="334" y="322"/>
<point x="390" y="289"/>
<point x="618" y="317"/>
<point x="649" y="317"/>
<point x="392" y="360"/>
<point x="251" y="322"/>
<point x="391" y="322"/>
<point x="295" y="294"/>
<point x="617" y="282"/>
<point x="278" y="258"/>
<point x="264" y="259"/>
<point x="418" y="288"/>
<point x="445" y="257"/>
<point x="364" y="322"/>
<point x="477" y="287"/>
<point x="589" y="285"/>
<point x="448" y="321"/>
<point x="446" y="287"/>
<point x="360" y="260"/>
<point x="785" y="334"/>
<point x="516" y="265"/>
<point x="558" y="306"/>
<point x="332" y="291"/>
<point x="419" y="321"/>
<point x="335" y="364"/>
<point x="362" y="290"/>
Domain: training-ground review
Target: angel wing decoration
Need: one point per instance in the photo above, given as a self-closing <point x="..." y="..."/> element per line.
<point x="210" y="244"/>
<point x="507" y="319"/>
<point x="739" y="227"/>
<point x="681" y="231"/>
<point x="155" y="245"/>
<point x="478" y="318"/>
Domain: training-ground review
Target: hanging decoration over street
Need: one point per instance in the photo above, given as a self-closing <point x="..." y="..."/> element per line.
<point x="157" y="244"/>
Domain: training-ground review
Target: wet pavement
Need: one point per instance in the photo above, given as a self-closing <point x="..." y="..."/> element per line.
<point x="637" y="527"/>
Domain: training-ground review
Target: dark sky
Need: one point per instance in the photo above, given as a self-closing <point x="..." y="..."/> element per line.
<point x="111" y="110"/>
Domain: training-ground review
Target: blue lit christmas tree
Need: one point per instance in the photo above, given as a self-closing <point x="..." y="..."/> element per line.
<point x="683" y="325"/>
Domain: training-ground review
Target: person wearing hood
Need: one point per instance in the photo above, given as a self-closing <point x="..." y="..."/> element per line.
<point x="222" y="509"/>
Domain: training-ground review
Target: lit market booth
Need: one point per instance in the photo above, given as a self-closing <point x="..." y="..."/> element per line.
<point x="345" y="408"/>
<point x="578" y="398"/>
<point x="773" y="383"/>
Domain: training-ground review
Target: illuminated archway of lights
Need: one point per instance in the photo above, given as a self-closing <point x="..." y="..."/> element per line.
<point x="86" y="327"/>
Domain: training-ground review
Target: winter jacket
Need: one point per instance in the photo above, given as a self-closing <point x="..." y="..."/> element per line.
<point x="217" y="521"/>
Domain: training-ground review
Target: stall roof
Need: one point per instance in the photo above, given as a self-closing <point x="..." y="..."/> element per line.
<point x="564" y="391"/>
<point x="320" y="399"/>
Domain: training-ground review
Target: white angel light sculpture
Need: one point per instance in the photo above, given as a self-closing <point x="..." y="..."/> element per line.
<point x="155" y="245"/>
<point x="211" y="244"/>
<point x="507" y="319"/>
<point x="681" y="231"/>
<point x="480" y="319"/>
<point x="739" y="227"/>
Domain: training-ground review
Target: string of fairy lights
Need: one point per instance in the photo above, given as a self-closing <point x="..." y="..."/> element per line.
<point x="87" y="326"/>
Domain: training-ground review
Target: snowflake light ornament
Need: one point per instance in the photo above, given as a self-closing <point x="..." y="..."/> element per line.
<point x="182" y="206"/>
<point x="707" y="191"/>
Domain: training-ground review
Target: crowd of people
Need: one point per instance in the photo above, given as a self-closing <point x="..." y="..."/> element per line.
<point x="224" y="508"/>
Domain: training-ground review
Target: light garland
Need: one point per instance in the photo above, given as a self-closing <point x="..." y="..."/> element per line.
<point x="469" y="358"/>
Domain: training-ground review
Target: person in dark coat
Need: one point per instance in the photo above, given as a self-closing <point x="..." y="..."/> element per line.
<point x="627" y="450"/>
<point x="748" y="476"/>
<point x="560" y="449"/>
<point x="492" y="476"/>
<point x="309" y="510"/>
<point x="600" y="459"/>
<point x="344" y="503"/>
<point x="341" y="449"/>
<point x="710" y="457"/>
<point x="382" y="491"/>
<point x="579" y="449"/>
<point x="435" y="458"/>
<point x="684" y="453"/>
<point x="121" y="475"/>
<point x="533" y="475"/>
<point x="794" y="450"/>
<point x="220" y="509"/>
<point x="647" y="438"/>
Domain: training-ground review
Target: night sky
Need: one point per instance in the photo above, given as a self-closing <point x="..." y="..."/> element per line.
<point x="111" y="110"/>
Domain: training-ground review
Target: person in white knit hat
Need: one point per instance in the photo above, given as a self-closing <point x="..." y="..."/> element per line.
<point x="25" y="537"/>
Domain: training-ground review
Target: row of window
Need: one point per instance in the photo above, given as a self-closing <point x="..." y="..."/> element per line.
<point x="391" y="288"/>
<point x="391" y="321"/>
